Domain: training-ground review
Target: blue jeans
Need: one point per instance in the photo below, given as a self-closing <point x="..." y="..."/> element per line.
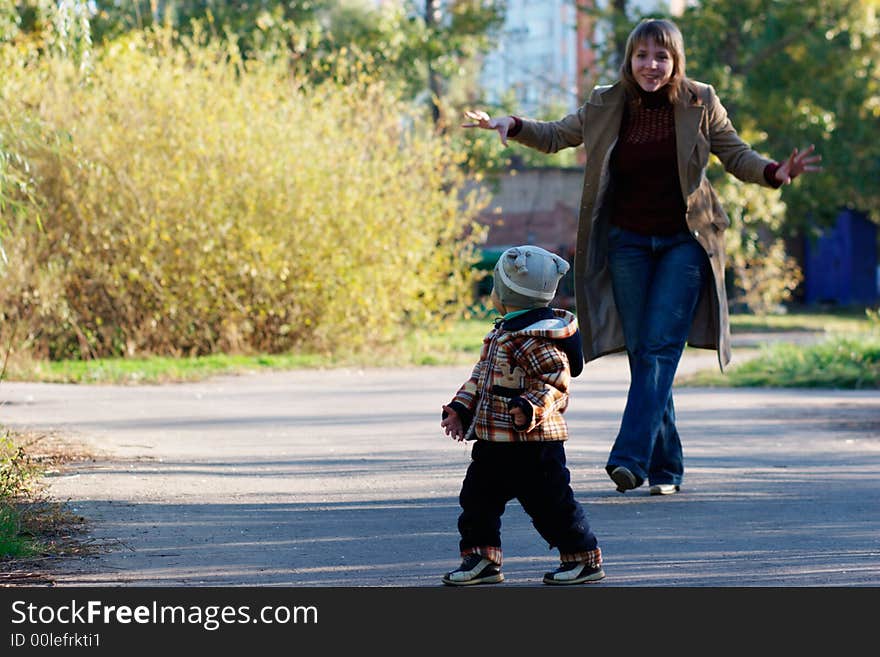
<point x="657" y="282"/>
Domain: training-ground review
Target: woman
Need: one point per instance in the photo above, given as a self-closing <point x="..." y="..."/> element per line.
<point x="649" y="261"/>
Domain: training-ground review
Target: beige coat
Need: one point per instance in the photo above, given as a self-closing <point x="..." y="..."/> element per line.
<point x="701" y="127"/>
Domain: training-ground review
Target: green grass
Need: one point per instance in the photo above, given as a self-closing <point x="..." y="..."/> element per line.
<point x="847" y="357"/>
<point x="844" y="361"/>
<point x="156" y="369"/>
<point x="457" y="344"/>
<point x="435" y="349"/>
<point x="16" y="474"/>
<point x="33" y="526"/>
<point x="846" y="321"/>
<point x="13" y="544"/>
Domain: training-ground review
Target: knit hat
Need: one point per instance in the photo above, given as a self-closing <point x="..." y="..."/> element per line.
<point x="527" y="276"/>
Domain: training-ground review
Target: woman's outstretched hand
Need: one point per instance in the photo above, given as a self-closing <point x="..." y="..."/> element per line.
<point x="479" y="119"/>
<point x="797" y="163"/>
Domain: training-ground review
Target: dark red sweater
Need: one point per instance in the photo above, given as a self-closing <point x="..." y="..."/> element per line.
<point x="644" y="171"/>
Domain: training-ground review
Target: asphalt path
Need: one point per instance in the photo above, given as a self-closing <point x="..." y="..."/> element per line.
<point x="343" y="477"/>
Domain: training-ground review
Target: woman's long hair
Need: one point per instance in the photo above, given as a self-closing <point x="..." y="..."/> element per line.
<point x="665" y="34"/>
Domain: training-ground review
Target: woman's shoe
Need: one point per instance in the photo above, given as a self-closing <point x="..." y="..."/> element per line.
<point x="664" y="489"/>
<point x="624" y="479"/>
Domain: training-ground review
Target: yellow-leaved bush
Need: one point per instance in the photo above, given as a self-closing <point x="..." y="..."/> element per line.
<point x="186" y="202"/>
<point x="764" y="274"/>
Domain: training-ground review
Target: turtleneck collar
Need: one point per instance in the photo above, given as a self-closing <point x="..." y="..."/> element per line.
<point x="654" y="99"/>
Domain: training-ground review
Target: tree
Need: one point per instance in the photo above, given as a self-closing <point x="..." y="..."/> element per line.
<point x="417" y="45"/>
<point x="174" y="199"/>
<point x="793" y="73"/>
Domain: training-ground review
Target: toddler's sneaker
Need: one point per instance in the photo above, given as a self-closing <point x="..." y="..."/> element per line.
<point x="573" y="572"/>
<point x="474" y="569"/>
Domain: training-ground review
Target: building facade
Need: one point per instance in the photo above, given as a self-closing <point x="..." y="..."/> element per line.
<point x="536" y="59"/>
<point x="544" y="56"/>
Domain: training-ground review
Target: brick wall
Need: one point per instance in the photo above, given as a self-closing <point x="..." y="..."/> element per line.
<point x="540" y="207"/>
<point x="535" y="206"/>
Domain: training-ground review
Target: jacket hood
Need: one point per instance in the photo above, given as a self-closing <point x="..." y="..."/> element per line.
<point x="552" y="324"/>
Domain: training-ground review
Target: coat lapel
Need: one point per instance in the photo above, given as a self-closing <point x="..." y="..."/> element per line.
<point x="605" y="117"/>
<point x="687" y="127"/>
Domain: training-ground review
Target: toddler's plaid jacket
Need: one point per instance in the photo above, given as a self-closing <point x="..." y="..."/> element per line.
<point x="526" y="361"/>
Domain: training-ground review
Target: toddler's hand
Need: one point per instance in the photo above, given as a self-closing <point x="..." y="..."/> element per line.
<point x="452" y="424"/>
<point x="519" y="418"/>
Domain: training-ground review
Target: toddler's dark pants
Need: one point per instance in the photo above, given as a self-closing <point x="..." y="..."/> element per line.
<point x="533" y="473"/>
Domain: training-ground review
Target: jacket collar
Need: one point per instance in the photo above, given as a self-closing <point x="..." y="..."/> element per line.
<point x="527" y="319"/>
<point x="614" y="94"/>
<point x="688" y="114"/>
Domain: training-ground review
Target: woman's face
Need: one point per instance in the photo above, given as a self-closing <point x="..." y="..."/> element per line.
<point x="651" y="65"/>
